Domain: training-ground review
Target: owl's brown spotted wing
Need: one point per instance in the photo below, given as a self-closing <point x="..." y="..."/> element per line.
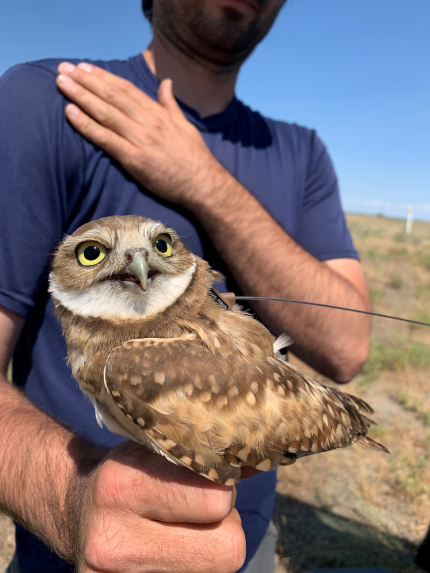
<point x="215" y="413"/>
<point x="156" y="385"/>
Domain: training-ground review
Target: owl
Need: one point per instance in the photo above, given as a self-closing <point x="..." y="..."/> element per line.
<point x="168" y="364"/>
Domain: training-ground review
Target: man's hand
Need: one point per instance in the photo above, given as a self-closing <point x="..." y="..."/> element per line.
<point x="153" y="140"/>
<point x="143" y="513"/>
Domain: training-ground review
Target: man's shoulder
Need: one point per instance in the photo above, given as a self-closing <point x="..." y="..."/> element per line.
<point x="36" y="72"/>
<point x="26" y="87"/>
<point x="50" y="65"/>
<point x="30" y="81"/>
<point x="38" y="76"/>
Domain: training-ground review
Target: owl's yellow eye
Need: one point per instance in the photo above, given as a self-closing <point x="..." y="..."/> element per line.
<point x="163" y="245"/>
<point x="90" y="253"/>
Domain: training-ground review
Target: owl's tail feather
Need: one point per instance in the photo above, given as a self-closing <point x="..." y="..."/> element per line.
<point x="373" y="444"/>
<point x="359" y="411"/>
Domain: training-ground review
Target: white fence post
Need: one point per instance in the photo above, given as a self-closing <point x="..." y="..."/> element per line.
<point x="410" y="220"/>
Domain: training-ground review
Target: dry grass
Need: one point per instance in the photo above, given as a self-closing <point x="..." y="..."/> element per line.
<point x="357" y="507"/>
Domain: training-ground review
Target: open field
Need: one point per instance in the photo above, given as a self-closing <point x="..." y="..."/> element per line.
<point x="357" y="507"/>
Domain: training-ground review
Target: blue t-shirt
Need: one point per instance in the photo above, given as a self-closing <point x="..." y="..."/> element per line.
<point x="52" y="181"/>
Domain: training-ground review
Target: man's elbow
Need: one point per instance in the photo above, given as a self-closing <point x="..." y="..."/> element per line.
<point x="349" y="360"/>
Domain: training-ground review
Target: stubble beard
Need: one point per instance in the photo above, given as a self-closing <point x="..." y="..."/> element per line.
<point x="219" y="44"/>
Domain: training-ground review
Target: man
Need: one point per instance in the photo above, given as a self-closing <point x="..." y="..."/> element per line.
<point x="257" y="198"/>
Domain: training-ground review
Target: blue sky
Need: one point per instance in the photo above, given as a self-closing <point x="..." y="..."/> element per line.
<point x="356" y="70"/>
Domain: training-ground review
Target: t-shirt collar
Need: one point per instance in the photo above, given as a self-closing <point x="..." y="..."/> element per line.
<point x="211" y="124"/>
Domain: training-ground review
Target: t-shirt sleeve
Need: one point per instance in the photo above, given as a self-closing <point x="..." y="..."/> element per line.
<point x="322" y="229"/>
<point x="36" y="161"/>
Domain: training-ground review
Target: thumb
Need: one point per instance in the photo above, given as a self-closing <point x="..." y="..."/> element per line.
<point x="166" y="97"/>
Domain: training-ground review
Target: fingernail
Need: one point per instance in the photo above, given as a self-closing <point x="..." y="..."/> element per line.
<point x="86" y="67"/>
<point x="66" y="67"/>
<point x="72" y="110"/>
<point x="64" y="80"/>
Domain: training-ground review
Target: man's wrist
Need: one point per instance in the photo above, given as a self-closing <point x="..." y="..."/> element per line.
<point x="216" y="193"/>
<point x="78" y="495"/>
<point x="43" y="467"/>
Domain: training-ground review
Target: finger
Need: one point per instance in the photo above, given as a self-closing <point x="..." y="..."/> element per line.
<point x="104" y="113"/>
<point x="112" y="143"/>
<point x="111" y="88"/>
<point x="166" y="97"/>
<point x="203" y="549"/>
<point x="146" y="484"/>
<point x="155" y="546"/>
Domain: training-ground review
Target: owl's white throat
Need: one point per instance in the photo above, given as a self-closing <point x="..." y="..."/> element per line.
<point x="102" y="300"/>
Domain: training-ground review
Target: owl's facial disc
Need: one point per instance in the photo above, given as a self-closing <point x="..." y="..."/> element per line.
<point x="121" y="267"/>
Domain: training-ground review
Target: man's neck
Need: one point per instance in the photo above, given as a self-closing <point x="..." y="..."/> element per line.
<point x="208" y="92"/>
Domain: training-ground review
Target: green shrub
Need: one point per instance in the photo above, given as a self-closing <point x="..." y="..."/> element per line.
<point x="421" y="316"/>
<point x="423" y="259"/>
<point x="410" y="473"/>
<point x="398" y="254"/>
<point x="412" y="404"/>
<point x="394" y="356"/>
<point x="378" y="431"/>
<point x="416" y="240"/>
<point x="395" y="282"/>
<point x="376" y="294"/>
<point x="374" y="253"/>
<point x="417" y="355"/>
<point x="400" y="237"/>
<point x="423" y="290"/>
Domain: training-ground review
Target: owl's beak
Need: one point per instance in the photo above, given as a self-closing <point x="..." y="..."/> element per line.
<point x="139" y="268"/>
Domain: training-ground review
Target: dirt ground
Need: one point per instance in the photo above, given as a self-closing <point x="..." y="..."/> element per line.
<point x="357" y="507"/>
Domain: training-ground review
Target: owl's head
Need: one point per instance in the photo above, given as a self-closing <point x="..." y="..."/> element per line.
<point x="120" y="267"/>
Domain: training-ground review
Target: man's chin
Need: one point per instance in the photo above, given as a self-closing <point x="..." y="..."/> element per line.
<point x="221" y="32"/>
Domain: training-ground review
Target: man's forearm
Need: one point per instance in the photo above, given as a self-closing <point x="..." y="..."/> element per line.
<point x="39" y="462"/>
<point x="266" y="261"/>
